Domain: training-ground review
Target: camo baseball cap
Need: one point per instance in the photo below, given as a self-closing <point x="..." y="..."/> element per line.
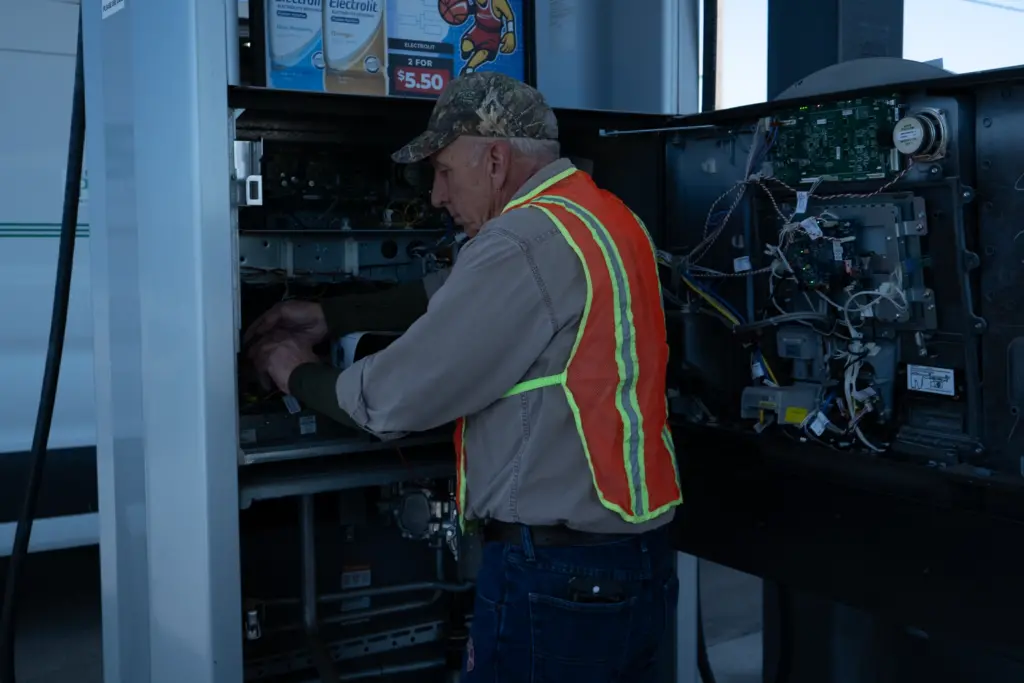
<point x="484" y="104"/>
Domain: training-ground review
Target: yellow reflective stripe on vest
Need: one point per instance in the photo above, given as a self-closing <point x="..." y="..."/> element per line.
<point x="534" y="384"/>
<point x="666" y="433"/>
<point x="519" y="201"/>
<point x="461" y="493"/>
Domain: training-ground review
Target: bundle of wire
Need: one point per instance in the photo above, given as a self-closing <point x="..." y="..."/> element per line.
<point x="722" y="309"/>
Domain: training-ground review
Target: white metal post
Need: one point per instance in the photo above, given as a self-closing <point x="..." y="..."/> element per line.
<point x="686" y="619"/>
<point x="158" y="141"/>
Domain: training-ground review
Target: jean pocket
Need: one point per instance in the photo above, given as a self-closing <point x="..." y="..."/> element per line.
<point x="575" y="641"/>
<point x="480" y="661"/>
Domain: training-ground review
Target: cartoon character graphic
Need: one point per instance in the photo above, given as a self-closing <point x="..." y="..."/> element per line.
<point x="491" y="32"/>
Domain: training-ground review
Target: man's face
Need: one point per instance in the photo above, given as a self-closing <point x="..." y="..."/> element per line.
<point x="468" y="176"/>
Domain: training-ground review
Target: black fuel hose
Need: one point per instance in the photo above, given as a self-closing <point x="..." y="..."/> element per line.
<point x="51" y="372"/>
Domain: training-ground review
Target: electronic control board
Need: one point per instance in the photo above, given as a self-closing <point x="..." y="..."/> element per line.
<point x="846" y="140"/>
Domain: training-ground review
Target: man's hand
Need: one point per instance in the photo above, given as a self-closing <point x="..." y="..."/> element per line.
<point x="279" y="353"/>
<point x="303" y="320"/>
<point x="508" y="43"/>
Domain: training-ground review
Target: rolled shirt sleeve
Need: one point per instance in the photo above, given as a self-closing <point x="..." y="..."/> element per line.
<point x="482" y="331"/>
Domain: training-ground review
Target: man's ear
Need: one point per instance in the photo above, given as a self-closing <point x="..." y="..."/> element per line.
<point x="499" y="158"/>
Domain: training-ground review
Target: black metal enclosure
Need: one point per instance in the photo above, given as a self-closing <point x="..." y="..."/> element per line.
<point x="927" y="535"/>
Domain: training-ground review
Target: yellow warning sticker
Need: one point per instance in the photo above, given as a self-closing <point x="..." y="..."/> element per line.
<point x="795" y="415"/>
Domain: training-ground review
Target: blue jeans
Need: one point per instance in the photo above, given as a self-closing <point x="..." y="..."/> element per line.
<point x="532" y="624"/>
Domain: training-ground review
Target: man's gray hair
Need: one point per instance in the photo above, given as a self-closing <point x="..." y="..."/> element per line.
<point x="539" y="151"/>
<point x="542" y="150"/>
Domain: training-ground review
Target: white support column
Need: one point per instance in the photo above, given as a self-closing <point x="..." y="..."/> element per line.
<point x="686" y="619"/>
<point x="158" y="144"/>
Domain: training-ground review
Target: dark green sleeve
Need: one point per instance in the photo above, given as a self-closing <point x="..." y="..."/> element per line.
<point x="313" y="385"/>
<point x="389" y="310"/>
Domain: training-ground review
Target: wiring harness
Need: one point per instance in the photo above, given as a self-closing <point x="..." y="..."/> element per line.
<point x="836" y="316"/>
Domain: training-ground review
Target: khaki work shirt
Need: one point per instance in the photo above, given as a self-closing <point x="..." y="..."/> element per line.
<point x="508" y="311"/>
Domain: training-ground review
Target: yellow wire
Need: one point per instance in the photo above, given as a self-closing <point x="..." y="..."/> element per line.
<point x="728" y="316"/>
<point x="712" y="302"/>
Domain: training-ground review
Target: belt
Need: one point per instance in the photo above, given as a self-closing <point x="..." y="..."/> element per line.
<point x="550" y="536"/>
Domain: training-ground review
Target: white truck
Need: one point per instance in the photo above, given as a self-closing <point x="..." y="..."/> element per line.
<point x="37" y="65"/>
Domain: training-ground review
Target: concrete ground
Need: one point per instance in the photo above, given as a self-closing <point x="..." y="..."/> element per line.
<point x="61" y="641"/>
<point x="731" y="606"/>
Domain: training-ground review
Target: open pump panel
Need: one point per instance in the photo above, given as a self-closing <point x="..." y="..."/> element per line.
<point x="379" y="584"/>
<point x="823" y="292"/>
<point x="823" y="269"/>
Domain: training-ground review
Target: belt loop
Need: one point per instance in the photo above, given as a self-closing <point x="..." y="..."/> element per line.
<point x="645" y="554"/>
<point x="527" y="543"/>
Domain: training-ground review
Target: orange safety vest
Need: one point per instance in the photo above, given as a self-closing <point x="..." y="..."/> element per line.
<point x="615" y="379"/>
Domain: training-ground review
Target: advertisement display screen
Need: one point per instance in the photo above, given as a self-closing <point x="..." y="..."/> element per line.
<point x="405" y="48"/>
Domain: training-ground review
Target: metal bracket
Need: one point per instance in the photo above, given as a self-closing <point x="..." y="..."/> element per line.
<point x="252" y="191"/>
<point x="971" y="261"/>
<point x="913" y="228"/>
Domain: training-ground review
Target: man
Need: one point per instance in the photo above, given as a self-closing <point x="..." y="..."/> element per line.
<point x="547" y="345"/>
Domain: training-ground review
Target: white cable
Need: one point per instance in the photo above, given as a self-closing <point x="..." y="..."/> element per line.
<point x="849" y="389"/>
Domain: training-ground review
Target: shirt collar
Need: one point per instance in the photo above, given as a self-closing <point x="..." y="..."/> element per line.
<point x="542" y="176"/>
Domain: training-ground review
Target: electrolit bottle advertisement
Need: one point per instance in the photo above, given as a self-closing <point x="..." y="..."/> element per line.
<point x="354" y="47"/>
<point x="432" y="41"/>
<point x="406" y="48"/>
<point x="295" y="55"/>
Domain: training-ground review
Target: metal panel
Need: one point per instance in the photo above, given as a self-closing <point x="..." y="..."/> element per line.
<point x="167" y="418"/>
<point x="608" y="54"/>
<point x="1001" y="199"/>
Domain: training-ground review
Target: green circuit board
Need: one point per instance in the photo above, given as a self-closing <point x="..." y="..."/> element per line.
<point x="846" y="140"/>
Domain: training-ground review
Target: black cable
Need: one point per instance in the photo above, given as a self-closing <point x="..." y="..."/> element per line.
<point x="55" y="349"/>
<point x="784" y="661"/>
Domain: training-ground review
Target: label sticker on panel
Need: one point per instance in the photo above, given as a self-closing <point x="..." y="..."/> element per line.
<point x="801" y="201"/>
<point x="292" y="405"/>
<point x="307" y="425"/>
<point x="355" y="604"/>
<point x="356" y="577"/>
<point x="811" y="227"/>
<point x="795" y="415"/>
<point x="111" y="7"/>
<point x="837" y="251"/>
<point x="931" y="380"/>
<point x="819" y="424"/>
